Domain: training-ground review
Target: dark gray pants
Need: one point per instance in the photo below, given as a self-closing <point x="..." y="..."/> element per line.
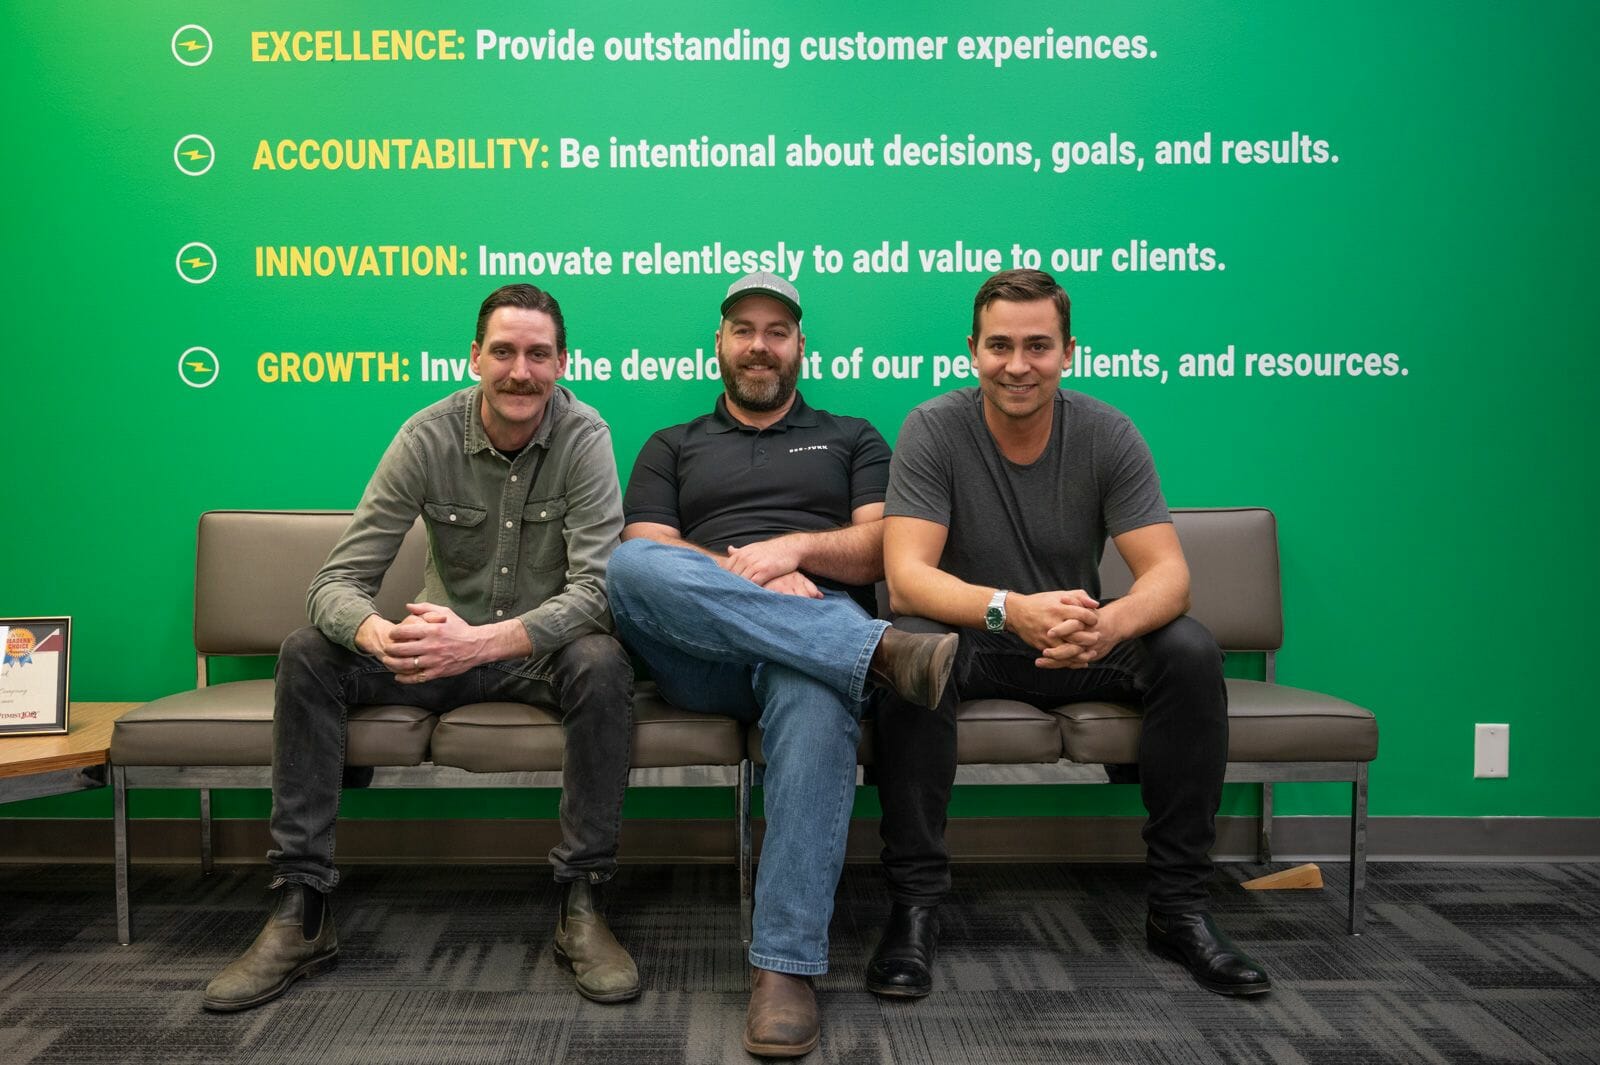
<point x="589" y="681"/>
<point x="1173" y="674"/>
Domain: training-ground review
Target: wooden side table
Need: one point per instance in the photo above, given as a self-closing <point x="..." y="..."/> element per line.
<point x="34" y="766"/>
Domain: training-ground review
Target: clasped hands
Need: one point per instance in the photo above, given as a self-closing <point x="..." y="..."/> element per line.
<point x="1069" y="629"/>
<point x="432" y="642"/>
<point x="774" y="564"/>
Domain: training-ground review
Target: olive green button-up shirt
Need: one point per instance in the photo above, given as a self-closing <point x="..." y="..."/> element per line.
<point x="525" y="538"/>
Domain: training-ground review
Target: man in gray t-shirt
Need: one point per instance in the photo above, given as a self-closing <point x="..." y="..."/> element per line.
<point x="1000" y="500"/>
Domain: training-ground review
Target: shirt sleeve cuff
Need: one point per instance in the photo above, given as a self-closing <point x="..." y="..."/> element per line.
<point x="347" y="621"/>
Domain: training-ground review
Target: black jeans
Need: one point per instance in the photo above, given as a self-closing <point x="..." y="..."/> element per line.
<point x="589" y="681"/>
<point x="1174" y="675"/>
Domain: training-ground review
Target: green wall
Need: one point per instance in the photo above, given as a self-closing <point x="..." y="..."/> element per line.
<point x="1433" y="521"/>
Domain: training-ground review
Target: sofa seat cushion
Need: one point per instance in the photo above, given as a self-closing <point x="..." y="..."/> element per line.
<point x="231" y="724"/>
<point x="515" y="737"/>
<point x="1004" y="732"/>
<point x="987" y="731"/>
<point x="666" y="737"/>
<point x="1266" y="723"/>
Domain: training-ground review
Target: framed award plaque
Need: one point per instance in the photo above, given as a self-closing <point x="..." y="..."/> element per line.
<point x="33" y="675"/>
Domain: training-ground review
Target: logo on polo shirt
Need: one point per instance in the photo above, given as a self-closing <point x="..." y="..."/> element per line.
<point x="811" y="447"/>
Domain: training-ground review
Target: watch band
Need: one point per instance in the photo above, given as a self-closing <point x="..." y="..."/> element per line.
<point x="994" y="618"/>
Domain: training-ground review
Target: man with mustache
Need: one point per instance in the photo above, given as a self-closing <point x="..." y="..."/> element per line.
<point x="516" y="481"/>
<point x="744" y="581"/>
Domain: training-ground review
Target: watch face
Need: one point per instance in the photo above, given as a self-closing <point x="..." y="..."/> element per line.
<point x="994" y="619"/>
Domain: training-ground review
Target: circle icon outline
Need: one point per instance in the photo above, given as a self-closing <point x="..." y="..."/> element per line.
<point x="209" y="44"/>
<point x="211" y="154"/>
<point x="179" y="262"/>
<point x="216" y="370"/>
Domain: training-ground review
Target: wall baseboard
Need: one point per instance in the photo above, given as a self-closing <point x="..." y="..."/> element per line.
<point x="977" y="839"/>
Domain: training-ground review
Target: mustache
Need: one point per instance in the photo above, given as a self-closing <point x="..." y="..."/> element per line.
<point x="520" y="388"/>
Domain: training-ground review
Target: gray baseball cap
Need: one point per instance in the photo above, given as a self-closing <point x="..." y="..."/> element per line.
<point x="762" y="283"/>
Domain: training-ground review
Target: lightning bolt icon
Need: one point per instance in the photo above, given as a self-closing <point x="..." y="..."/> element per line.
<point x="191" y="46"/>
<point x="194" y="154"/>
<point x="195" y="263"/>
<point x="199" y="367"/>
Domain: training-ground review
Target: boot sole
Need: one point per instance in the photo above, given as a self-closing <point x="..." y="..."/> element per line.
<point x="1232" y="990"/>
<point x="305" y="971"/>
<point x="898" y="990"/>
<point x="625" y="995"/>
<point x="944" y="660"/>
<point x="781" y="1050"/>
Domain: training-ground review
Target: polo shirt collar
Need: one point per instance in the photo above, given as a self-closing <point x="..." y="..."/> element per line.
<point x="476" y="438"/>
<point x="799" y="415"/>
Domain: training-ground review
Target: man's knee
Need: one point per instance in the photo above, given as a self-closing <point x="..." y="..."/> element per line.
<point x="1185" y="646"/>
<point x="305" y="642"/>
<point x="595" y="658"/>
<point x="307" y="652"/>
<point x="630" y="561"/>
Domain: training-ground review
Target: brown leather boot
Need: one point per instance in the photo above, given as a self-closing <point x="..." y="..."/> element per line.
<point x="298" y="940"/>
<point x="915" y="664"/>
<point x="782" y="1021"/>
<point x="604" y="971"/>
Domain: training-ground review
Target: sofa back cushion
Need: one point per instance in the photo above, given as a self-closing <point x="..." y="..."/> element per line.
<point x="252" y="569"/>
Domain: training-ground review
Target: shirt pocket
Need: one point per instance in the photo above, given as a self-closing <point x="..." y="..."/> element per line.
<point x="460" y="542"/>
<point x="544" y="543"/>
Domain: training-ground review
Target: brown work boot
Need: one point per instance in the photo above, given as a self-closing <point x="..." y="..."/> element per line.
<point x="604" y="971"/>
<point x="915" y="664"/>
<point x="299" y="940"/>
<point x="782" y="1021"/>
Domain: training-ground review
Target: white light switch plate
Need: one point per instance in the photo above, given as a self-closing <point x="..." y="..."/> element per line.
<point x="1491" y="751"/>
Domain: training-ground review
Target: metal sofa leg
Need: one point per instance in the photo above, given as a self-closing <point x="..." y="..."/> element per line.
<point x="119" y="806"/>
<point x="205" y="831"/>
<point x="1264" y="836"/>
<point x="746" y="857"/>
<point x="1358" y="851"/>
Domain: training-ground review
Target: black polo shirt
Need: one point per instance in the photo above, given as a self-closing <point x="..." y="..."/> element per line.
<point x="721" y="482"/>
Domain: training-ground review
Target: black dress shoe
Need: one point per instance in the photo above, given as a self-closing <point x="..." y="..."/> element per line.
<point x="1195" y="941"/>
<point x="902" y="966"/>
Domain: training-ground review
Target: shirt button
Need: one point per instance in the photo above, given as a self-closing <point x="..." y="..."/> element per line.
<point x="544" y="513"/>
<point x="505" y="569"/>
<point x="452" y="517"/>
<point x="508" y="525"/>
<point x="513" y="478"/>
<point x="499" y="613"/>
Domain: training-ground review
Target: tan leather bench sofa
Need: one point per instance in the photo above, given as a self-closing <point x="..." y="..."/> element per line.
<point x="252" y="569"/>
<point x="1275" y="733"/>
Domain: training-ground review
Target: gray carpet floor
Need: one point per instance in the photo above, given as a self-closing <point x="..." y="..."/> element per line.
<point x="1460" y="963"/>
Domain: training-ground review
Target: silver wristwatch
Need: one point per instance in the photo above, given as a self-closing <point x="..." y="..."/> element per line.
<point x="994" y="618"/>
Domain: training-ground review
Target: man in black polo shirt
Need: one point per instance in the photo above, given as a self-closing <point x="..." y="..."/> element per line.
<point x="752" y="538"/>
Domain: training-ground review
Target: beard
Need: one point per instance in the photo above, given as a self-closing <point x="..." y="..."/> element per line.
<point x="759" y="397"/>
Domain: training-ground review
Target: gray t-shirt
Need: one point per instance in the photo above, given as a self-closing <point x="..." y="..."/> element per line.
<point x="1032" y="528"/>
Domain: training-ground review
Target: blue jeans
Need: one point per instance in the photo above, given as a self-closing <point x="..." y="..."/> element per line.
<point x="718" y="644"/>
